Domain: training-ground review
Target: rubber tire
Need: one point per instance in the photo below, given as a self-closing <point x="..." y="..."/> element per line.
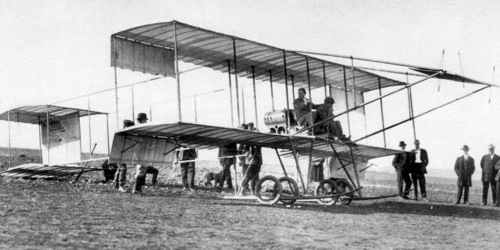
<point x="345" y="186"/>
<point x="276" y="184"/>
<point x="294" y="186"/>
<point x="317" y="192"/>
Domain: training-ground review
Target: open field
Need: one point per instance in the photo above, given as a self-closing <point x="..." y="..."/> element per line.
<point x="57" y="214"/>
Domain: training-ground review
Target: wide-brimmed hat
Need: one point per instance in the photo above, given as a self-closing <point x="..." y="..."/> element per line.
<point x="402" y="143"/>
<point x="465" y="147"/>
<point x="142" y="116"/>
<point x="491" y="146"/>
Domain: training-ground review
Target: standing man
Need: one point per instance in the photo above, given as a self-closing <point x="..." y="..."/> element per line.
<point x="402" y="164"/>
<point x="488" y="163"/>
<point x="227" y="158"/>
<point x="464" y="167"/>
<point x="419" y="169"/>
<point x="254" y="163"/>
<point x="141" y="171"/>
<point x="187" y="158"/>
<point x="302" y="109"/>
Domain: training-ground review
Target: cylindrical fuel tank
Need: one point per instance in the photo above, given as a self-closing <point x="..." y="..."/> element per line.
<point x="275" y="117"/>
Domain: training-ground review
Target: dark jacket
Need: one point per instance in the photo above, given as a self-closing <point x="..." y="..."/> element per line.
<point x="323" y="112"/>
<point x="464" y="170"/>
<point x="488" y="167"/>
<point x="254" y="157"/>
<point x="403" y="161"/>
<point x="424" y="158"/>
<point x="225" y="153"/>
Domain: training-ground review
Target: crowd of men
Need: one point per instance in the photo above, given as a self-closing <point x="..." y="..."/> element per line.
<point x="411" y="168"/>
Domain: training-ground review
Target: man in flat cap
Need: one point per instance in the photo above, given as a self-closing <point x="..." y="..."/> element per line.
<point x="402" y="164"/>
<point x="464" y="168"/>
<point x="488" y="163"/>
<point x="324" y="112"/>
<point x="419" y="169"/>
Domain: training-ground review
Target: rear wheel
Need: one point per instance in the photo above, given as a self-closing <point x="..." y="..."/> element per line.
<point x="268" y="190"/>
<point x="345" y="187"/>
<point x="327" y="187"/>
<point x="289" y="188"/>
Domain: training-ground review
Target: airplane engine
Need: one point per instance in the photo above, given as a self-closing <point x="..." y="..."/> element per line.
<point x="276" y="121"/>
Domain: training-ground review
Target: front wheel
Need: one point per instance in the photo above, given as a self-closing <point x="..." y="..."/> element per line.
<point x="268" y="190"/>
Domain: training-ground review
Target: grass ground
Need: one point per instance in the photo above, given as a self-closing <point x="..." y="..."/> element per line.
<point x="57" y="214"/>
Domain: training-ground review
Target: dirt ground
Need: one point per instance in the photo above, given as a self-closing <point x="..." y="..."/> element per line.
<point x="56" y="214"/>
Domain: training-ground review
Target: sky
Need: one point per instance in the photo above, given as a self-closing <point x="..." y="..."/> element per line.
<point x="54" y="50"/>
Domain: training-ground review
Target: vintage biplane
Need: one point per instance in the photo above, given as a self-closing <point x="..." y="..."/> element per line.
<point x="158" y="48"/>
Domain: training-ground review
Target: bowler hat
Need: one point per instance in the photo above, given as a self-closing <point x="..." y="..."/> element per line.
<point x="402" y="143"/>
<point x="142" y="116"/>
<point x="329" y="100"/>
<point x="491" y="146"/>
<point x="465" y="147"/>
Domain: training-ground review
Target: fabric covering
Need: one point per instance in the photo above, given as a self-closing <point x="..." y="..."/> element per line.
<point x="215" y="50"/>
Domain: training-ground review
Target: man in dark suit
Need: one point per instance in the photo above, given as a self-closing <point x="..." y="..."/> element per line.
<point x="227" y="155"/>
<point x="402" y="163"/>
<point x="419" y="169"/>
<point x="488" y="163"/>
<point x="464" y="167"/>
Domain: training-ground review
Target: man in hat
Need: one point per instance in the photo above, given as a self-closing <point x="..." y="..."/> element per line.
<point x="488" y="163"/>
<point x="402" y="164"/>
<point x="302" y="109"/>
<point x="419" y="169"/>
<point x="324" y="112"/>
<point x="464" y="167"/>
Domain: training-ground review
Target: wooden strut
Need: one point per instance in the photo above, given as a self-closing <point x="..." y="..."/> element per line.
<point x="355" y="170"/>
<point x="301" y="197"/>
<point x="281" y="162"/>
<point x="342" y="163"/>
<point x="86" y="163"/>
<point x="426" y="112"/>
<point x="297" y="164"/>
<point x="310" y="162"/>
